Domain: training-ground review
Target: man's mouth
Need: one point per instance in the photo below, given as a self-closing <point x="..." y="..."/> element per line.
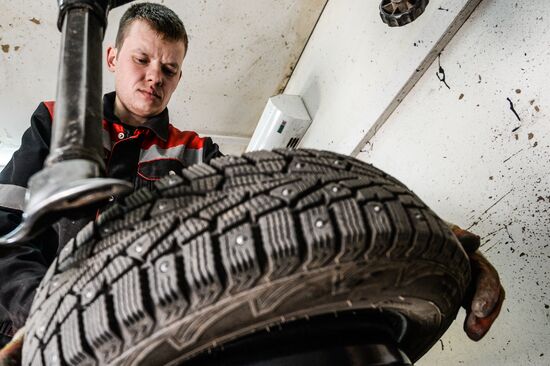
<point x="151" y="93"/>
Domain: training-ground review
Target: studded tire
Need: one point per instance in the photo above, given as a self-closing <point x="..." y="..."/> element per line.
<point x="243" y="244"/>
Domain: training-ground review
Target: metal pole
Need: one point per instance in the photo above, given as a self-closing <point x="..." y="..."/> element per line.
<point x="70" y="178"/>
<point x="78" y="109"/>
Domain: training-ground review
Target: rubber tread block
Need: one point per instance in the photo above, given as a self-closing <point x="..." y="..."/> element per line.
<point x="130" y="307"/>
<point x="361" y="182"/>
<point x="116" y="268"/>
<point x="244" y="181"/>
<point x="200" y="272"/>
<point x="335" y="192"/>
<point x="280" y="243"/>
<point x="227" y="162"/>
<point x="301" y="166"/>
<point x="239" y="258"/>
<point x="402" y="239"/>
<point x="130" y="218"/>
<point x="262" y="156"/>
<point x="168" y="182"/>
<point x="100" y="330"/>
<point x="189" y="229"/>
<point x="351" y="228"/>
<point x="155" y="230"/>
<point x="290" y="153"/>
<point x="319" y="236"/>
<point x="289" y="193"/>
<point x="375" y="193"/>
<point x="64" y="257"/>
<point x="67" y="304"/>
<point x="199" y="171"/>
<point x="380" y="228"/>
<point x="167" y="289"/>
<point x="86" y="234"/>
<point x="75" y="351"/>
<point x="138" y="198"/>
<point x="211" y="211"/>
<point x="113" y="212"/>
<point x="421" y="233"/>
<point x="52" y="354"/>
<point x="206" y="184"/>
<point x="337" y="177"/>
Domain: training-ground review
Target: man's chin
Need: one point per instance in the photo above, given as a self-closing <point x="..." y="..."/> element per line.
<point x="149" y="108"/>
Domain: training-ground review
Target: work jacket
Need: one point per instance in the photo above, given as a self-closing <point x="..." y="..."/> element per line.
<point x="139" y="155"/>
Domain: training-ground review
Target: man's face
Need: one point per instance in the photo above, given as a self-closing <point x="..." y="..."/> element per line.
<point x="147" y="70"/>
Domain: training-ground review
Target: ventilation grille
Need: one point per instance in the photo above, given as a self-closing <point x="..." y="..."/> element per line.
<point x="293" y="143"/>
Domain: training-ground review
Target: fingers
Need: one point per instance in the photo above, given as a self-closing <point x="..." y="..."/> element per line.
<point x="10" y="355"/>
<point x="470" y="241"/>
<point x="487" y="299"/>
<point x="476" y="327"/>
<point x="487" y="286"/>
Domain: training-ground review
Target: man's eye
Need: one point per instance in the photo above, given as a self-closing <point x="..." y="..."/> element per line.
<point x="169" y="72"/>
<point x="141" y="61"/>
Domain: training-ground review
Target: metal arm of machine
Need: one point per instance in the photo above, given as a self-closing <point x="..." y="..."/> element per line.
<point x="70" y="179"/>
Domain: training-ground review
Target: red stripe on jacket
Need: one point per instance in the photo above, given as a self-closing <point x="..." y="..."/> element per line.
<point x="50" y="106"/>
<point x="189" y="139"/>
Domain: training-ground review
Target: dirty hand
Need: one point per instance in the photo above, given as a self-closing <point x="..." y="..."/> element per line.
<point x="10" y="355"/>
<point x="486" y="296"/>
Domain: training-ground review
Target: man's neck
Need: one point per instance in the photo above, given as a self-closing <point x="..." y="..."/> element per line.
<point x="125" y="116"/>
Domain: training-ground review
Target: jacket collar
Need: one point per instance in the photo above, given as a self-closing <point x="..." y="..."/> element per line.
<point x="158" y="124"/>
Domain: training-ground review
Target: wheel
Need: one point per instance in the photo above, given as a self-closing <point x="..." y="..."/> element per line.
<point x="228" y="251"/>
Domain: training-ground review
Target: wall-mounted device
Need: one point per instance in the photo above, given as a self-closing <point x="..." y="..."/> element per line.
<point x="283" y="123"/>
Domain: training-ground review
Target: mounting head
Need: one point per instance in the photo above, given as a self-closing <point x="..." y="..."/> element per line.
<point x="99" y="7"/>
<point x="397" y="13"/>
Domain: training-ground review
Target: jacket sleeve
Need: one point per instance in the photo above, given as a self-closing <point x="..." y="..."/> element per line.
<point x="22" y="265"/>
<point x="211" y="150"/>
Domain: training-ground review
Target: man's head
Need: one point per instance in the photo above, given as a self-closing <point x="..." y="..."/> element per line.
<point x="150" y="46"/>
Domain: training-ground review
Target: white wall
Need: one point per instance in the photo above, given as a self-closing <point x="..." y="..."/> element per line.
<point x="458" y="153"/>
<point x="462" y="157"/>
<point x="354" y="66"/>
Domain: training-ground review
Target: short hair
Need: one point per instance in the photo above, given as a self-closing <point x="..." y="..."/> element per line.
<point x="162" y="19"/>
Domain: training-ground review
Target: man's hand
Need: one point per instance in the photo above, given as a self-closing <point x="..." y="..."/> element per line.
<point x="10" y="355"/>
<point x="486" y="294"/>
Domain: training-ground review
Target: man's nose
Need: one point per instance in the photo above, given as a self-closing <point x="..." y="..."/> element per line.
<point x="154" y="75"/>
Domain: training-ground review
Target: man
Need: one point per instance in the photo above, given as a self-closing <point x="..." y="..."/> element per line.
<point x="140" y="146"/>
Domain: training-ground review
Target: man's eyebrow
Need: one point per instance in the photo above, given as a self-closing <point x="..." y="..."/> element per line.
<point x="140" y="51"/>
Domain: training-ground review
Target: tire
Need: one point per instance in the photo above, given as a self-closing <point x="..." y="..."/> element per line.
<point x="240" y="245"/>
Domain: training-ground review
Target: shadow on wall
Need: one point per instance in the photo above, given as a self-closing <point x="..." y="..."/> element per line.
<point x="312" y="98"/>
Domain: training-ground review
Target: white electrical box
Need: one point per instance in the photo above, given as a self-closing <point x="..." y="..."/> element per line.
<point x="283" y="123"/>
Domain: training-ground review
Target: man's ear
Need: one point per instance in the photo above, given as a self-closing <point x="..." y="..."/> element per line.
<point x="111" y="58"/>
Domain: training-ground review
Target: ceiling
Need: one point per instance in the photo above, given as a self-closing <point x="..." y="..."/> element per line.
<point x="241" y="52"/>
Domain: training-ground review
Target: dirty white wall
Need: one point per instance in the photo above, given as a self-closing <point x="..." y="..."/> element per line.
<point x="460" y="149"/>
<point x="468" y="156"/>
<point x="354" y="66"/>
<point x="241" y="53"/>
